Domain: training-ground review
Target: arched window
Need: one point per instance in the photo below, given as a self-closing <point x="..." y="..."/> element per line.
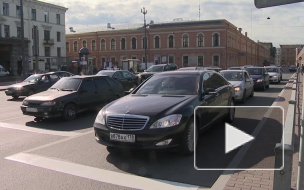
<point x="75" y="46"/>
<point x="67" y="44"/>
<point x="200" y="40"/>
<point x="84" y="43"/>
<point x="113" y="44"/>
<point x="103" y="45"/>
<point x="171" y="41"/>
<point x="123" y="43"/>
<point x="156" y="42"/>
<point x="134" y="42"/>
<point x="93" y="45"/>
<point x="185" y="40"/>
<point x="216" y="39"/>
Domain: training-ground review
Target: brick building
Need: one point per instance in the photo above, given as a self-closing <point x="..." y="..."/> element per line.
<point x="191" y="43"/>
<point x="289" y="54"/>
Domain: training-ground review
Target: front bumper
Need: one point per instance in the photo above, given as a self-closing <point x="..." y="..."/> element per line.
<point x="15" y="92"/>
<point x="273" y="79"/>
<point x="144" y="139"/>
<point x="42" y="111"/>
<point x="238" y="96"/>
<point x="258" y="84"/>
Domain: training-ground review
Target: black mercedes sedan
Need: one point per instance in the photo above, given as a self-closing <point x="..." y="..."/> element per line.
<point x="160" y="112"/>
<point x="71" y="95"/>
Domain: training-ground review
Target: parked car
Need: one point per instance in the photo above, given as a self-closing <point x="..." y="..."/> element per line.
<point x="32" y="85"/>
<point x="156" y="69"/>
<point x="72" y="95"/>
<point x="62" y="73"/>
<point x="242" y="82"/>
<point x="3" y="72"/>
<point x="275" y="74"/>
<point x="292" y="68"/>
<point x="160" y="113"/>
<point x="214" y="68"/>
<point x="260" y="77"/>
<point x="126" y="78"/>
<point x="192" y="68"/>
<point x="235" y="68"/>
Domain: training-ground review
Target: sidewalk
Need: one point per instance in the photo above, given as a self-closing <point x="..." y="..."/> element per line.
<point x="263" y="179"/>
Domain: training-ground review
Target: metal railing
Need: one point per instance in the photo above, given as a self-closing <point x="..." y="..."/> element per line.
<point x="284" y="150"/>
<point x="300" y="177"/>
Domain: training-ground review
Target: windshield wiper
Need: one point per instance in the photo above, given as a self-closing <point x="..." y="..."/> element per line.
<point x="66" y="89"/>
<point x="55" y="89"/>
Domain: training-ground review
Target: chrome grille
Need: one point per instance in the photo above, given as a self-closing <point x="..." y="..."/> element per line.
<point x="127" y="122"/>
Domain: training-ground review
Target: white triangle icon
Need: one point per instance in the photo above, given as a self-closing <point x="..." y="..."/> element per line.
<point x="235" y="138"/>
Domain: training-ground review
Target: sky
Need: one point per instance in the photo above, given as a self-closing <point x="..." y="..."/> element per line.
<point x="285" y="26"/>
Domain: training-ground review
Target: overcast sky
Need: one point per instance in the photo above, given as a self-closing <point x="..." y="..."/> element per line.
<point x="285" y="26"/>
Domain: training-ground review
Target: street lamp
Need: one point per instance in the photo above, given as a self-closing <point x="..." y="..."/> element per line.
<point x="144" y="11"/>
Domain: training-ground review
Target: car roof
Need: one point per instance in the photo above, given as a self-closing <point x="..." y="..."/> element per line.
<point x="87" y="76"/>
<point x="182" y="72"/>
<point x="240" y="70"/>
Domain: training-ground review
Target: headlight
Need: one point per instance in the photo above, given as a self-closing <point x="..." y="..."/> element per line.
<point x="275" y="76"/>
<point x="237" y="88"/>
<point x="50" y="103"/>
<point x="100" y="118"/>
<point x="168" y="121"/>
<point x="25" y="102"/>
<point x="260" y="80"/>
<point x="18" y="87"/>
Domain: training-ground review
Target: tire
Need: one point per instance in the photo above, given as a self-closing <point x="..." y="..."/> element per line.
<point x="231" y="113"/>
<point x="187" y="145"/>
<point x="252" y="93"/>
<point x="15" y="97"/>
<point x="69" y="112"/>
<point x="244" y="97"/>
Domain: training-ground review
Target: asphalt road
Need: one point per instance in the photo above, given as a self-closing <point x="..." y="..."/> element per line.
<point x="54" y="154"/>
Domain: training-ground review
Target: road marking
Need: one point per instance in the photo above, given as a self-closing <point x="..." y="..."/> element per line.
<point x="38" y="130"/>
<point x="97" y="174"/>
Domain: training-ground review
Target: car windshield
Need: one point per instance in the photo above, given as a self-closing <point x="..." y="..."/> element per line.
<point x="110" y="74"/>
<point x="156" y="68"/>
<point x="32" y="78"/>
<point x="255" y="71"/>
<point x="274" y="70"/>
<point x="70" y="84"/>
<point x="172" y="84"/>
<point x="232" y="76"/>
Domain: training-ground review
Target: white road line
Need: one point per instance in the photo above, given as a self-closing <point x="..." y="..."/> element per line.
<point x="38" y="130"/>
<point x="111" y="177"/>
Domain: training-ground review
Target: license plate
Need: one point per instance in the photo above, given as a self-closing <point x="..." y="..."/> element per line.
<point x="122" y="137"/>
<point x="31" y="109"/>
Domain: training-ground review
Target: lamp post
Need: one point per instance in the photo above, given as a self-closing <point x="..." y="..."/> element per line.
<point x="24" y="68"/>
<point x="144" y="11"/>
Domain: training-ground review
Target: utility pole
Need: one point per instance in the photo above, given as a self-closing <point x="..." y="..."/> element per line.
<point x="24" y="69"/>
<point x="144" y="11"/>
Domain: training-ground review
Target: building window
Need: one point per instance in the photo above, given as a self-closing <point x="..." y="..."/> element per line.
<point x="134" y="41"/>
<point x="113" y="44"/>
<point x="18" y="11"/>
<point x="84" y="43"/>
<point x="171" y="59"/>
<point x="200" y="61"/>
<point x="171" y="41"/>
<point x="46" y="16"/>
<point x="156" y="42"/>
<point x="47" y="34"/>
<point x="216" y="60"/>
<point x="47" y="51"/>
<point x="75" y="46"/>
<point x="185" y="40"/>
<point x="58" y="19"/>
<point x="67" y="44"/>
<point x="200" y="40"/>
<point x="18" y="32"/>
<point x="215" y="39"/>
<point x="93" y="45"/>
<point x="5" y="9"/>
<point x="103" y="45"/>
<point x="185" y="61"/>
<point x="58" y="37"/>
<point x="58" y="52"/>
<point x="6" y="31"/>
<point x="33" y="14"/>
<point x="123" y="43"/>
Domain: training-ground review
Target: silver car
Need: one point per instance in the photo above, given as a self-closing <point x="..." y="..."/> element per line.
<point x="275" y="74"/>
<point x="242" y="82"/>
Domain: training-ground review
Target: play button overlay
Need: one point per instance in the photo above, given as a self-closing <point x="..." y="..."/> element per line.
<point x="235" y="138"/>
<point x="246" y="143"/>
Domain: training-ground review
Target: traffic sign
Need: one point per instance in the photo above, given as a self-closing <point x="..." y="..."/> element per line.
<point x="300" y="58"/>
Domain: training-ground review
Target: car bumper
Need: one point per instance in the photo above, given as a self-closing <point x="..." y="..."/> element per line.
<point x="274" y="79"/>
<point x="144" y="139"/>
<point x="10" y="92"/>
<point x="45" y="112"/>
<point x="238" y="96"/>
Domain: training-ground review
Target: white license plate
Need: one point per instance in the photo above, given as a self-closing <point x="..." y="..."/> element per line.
<point x="31" y="109"/>
<point x="122" y="137"/>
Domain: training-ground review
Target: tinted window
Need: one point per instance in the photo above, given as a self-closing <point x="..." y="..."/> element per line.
<point x="101" y="83"/>
<point x="118" y="75"/>
<point x="54" y="77"/>
<point x="32" y="78"/>
<point x="156" y="68"/>
<point x="255" y="71"/>
<point x="88" y="85"/>
<point x="127" y="75"/>
<point x="68" y="84"/>
<point x="214" y="81"/>
<point x="113" y="83"/>
<point x="45" y="79"/>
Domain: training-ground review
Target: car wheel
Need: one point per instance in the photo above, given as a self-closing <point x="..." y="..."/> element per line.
<point x="252" y="93"/>
<point x="15" y="97"/>
<point x="244" y="97"/>
<point x="230" y="116"/>
<point x="187" y="146"/>
<point x="31" y="92"/>
<point x="69" y="112"/>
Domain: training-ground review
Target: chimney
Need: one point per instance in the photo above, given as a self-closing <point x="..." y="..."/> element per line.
<point x="246" y="34"/>
<point x="240" y="29"/>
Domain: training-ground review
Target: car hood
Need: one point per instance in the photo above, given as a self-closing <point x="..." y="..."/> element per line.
<point x="49" y="95"/>
<point x="236" y="83"/>
<point x="148" y="105"/>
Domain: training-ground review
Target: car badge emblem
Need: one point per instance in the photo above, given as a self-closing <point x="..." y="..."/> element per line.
<point x="127" y="109"/>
